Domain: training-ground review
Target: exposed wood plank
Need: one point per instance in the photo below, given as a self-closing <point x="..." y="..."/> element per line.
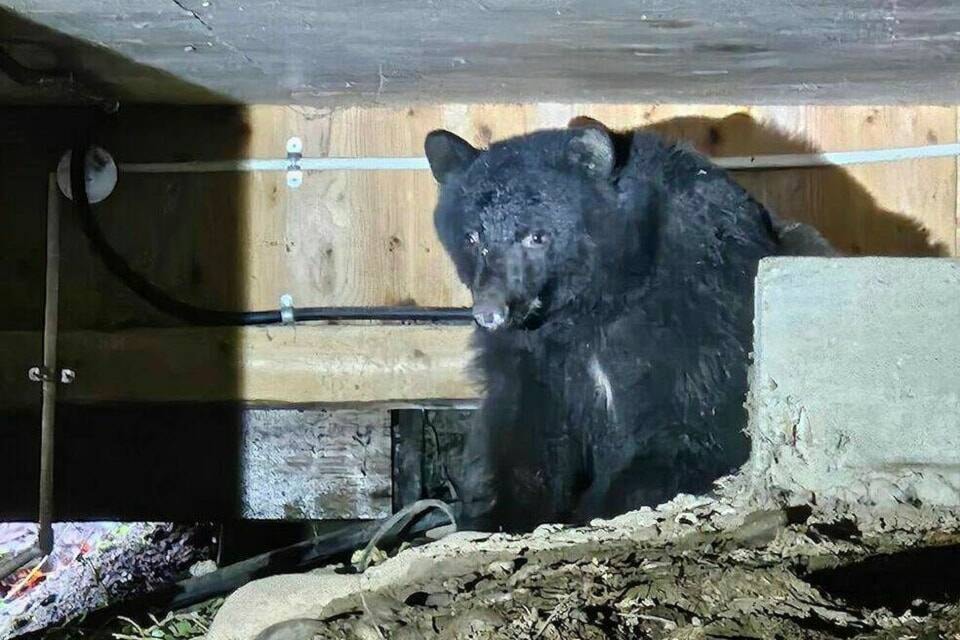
<point x="443" y="449"/>
<point x="315" y="465"/>
<point x="346" y="238"/>
<point x="408" y="457"/>
<point x="181" y="231"/>
<point x="901" y="208"/>
<point x="387" y="365"/>
<point x="367" y="238"/>
<point x="830" y="51"/>
<point x="191" y="462"/>
<point x="889" y="208"/>
<point x="240" y="241"/>
<point x="905" y="208"/>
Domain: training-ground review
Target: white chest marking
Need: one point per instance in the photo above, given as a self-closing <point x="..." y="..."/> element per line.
<point x="603" y="385"/>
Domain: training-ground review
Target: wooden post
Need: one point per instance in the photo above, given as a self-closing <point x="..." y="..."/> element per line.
<point x="407" y="457"/>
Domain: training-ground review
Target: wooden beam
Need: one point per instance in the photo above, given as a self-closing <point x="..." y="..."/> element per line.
<point x="384" y="365"/>
<point x="830" y="51"/>
<point x="183" y="462"/>
<point x="315" y="464"/>
<point x="407" y="458"/>
<point x="239" y="241"/>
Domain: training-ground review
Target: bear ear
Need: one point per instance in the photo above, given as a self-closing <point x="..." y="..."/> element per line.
<point x="591" y="149"/>
<point x="448" y="154"/>
<point x="586" y="122"/>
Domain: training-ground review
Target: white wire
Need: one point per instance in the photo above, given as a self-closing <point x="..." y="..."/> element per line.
<point x="838" y="158"/>
<point x="304" y="164"/>
<point x="792" y="160"/>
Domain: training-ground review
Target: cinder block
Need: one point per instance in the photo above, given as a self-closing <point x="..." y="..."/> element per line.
<point x="855" y="390"/>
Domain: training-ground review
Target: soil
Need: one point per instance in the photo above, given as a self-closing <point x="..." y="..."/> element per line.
<point x="694" y="568"/>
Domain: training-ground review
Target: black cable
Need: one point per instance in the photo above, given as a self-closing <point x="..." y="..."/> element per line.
<point x="26" y="76"/>
<point x="196" y="315"/>
<point x="334" y="546"/>
<point x="63" y="80"/>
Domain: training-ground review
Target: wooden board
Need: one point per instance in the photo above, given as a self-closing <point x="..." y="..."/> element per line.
<point x="315" y="465"/>
<point x="201" y="462"/>
<point x="346" y="238"/>
<point x="181" y="231"/>
<point x="386" y="365"/>
<point x="145" y="51"/>
<point x="905" y="208"/>
<point x="366" y="238"/>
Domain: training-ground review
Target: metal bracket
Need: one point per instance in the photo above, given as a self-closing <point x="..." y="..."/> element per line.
<point x="294" y="155"/>
<point x="286" y="309"/>
<point x="42" y="374"/>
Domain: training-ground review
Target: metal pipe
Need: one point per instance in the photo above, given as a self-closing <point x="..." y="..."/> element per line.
<point x="272" y="164"/>
<point x="49" y="378"/>
<point x="50" y="374"/>
<point x="415" y="163"/>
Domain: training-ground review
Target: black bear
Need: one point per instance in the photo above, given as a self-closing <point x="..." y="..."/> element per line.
<point x="612" y="280"/>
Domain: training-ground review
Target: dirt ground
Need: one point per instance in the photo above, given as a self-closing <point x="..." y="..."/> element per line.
<point x="693" y="568"/>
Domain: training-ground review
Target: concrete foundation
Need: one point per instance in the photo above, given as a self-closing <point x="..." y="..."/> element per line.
<point x="855" y="393"/>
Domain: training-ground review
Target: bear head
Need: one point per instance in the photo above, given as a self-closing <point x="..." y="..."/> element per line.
<point x="520" y="219"/>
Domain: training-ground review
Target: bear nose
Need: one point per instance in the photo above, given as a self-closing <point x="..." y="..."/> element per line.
<point x="489" y="319"/>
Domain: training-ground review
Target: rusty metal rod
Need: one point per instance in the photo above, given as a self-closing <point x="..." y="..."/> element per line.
<point x="51" y="376"/>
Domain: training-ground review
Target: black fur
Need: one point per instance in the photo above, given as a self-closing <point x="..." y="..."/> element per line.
<point x="625" y="272"/>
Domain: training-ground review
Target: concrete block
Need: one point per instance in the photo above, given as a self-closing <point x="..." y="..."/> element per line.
<point x="855" y="389"/>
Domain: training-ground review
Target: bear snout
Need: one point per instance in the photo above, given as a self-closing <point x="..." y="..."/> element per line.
<point x="490" y="319"/>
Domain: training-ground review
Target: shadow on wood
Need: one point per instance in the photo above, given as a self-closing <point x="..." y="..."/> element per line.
<point x="76" y="71"/>
<point x="829" y="198"/>
<point x="181" y="232"/>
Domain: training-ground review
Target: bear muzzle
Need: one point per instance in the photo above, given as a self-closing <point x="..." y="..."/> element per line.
<point x="490" y="317"/>
<point x="490" y="310"/>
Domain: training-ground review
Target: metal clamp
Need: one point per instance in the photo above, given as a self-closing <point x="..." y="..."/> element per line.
<point x="286" y="309"/>
<point x="294" y="155"/>
<point x="42" y="374"/>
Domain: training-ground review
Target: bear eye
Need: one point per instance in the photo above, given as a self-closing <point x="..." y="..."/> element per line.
<point x="534" y="239"/>
<point x="472" y="238"/>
